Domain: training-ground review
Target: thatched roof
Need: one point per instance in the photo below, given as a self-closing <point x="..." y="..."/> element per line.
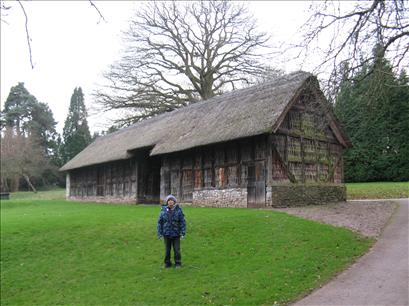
<point x="242" y="113"/>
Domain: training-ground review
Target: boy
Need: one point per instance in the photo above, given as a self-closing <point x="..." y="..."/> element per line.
<point x="171" y="226"/>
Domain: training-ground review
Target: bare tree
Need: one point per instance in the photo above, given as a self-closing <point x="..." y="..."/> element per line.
<point x="180" y="53"/>
<point x="22" y="157"/>
<point x="361" y="33"/>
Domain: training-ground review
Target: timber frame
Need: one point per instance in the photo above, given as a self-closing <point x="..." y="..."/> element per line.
<point x="303" y="146"/>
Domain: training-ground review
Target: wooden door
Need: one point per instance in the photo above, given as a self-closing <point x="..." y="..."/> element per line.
<point x="187" y="186"/>
<point x="256" y="185"/>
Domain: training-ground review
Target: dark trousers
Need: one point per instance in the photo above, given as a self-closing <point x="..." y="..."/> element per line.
<point x="175" y="243"/>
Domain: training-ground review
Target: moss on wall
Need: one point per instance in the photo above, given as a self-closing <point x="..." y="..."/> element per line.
<point x="289" y="195"/>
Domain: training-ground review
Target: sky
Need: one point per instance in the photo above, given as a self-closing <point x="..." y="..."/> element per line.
<point x="72" y="46"/>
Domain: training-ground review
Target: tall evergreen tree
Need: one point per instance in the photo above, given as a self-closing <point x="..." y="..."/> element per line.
<point x="29" y="124"/>
<point x="76" y="134"/>
<point x="375" y="113"/>
<point x="26" y="115"/>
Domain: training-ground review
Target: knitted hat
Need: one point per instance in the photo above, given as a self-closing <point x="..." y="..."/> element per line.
<point x="170" y="197"/>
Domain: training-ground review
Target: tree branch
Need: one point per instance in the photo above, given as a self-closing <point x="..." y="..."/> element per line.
<point x="27" y="34"/>
<point x="99" y="13"/>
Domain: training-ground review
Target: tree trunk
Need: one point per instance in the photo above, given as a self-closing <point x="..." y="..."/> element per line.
<point x="4" y="185"/>
<point x="29" y="183"/>
<point x="15" y="184"/>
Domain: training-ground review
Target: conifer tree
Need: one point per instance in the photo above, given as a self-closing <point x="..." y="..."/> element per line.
<point x="26" y="115"/>
<point x="375" y="113"/>
<point x="29" y="140"/>
<point x="76" y="134"/>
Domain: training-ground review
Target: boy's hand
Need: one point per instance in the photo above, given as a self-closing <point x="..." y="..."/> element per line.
<point x="182" y="237"/>
<point x="160" y="237"/>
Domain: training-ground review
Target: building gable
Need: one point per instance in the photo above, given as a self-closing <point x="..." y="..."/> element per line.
<point x="308" y="142"/>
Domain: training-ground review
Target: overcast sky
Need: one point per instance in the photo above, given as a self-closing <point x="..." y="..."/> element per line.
<point x="72" y="46"/>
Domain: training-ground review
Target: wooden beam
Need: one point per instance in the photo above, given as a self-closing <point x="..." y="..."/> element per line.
<point x="288" y="132"/>
<point x="298" y="107"/>
<point x="269" y="160"/>
<point x="332" y="171"/>
<point x="290" y="176"/>
<point x="302" y="159"/>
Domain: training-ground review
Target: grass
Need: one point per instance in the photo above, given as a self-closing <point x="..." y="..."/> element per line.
<point x="53" y="194"/>
<point x="378" y="190"/>
<point x="70" y="253"/>
<point x="375" y="190"/>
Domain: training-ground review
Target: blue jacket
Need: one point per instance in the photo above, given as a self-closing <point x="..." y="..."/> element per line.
<point x="171" y="224"/>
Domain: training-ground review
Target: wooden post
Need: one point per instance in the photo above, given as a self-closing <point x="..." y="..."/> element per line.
<point x="164" y="171"/>
<point x="269" y="160"/>
<point x="136" y="169"/>
<point x="302" y="159"/>
<point x="67" y="185"/>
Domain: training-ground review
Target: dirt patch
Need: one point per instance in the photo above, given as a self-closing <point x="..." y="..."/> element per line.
<point x="365" y="217"/>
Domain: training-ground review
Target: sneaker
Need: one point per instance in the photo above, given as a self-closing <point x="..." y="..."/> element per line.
<point x="167" y="266"/>
<point x="178" y="266"/>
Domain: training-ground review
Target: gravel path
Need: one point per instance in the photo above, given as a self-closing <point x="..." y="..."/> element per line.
<point x="364" y="217"/>
<point x="380" y="277"/>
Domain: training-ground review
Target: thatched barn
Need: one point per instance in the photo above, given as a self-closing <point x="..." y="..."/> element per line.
<point x="274" y="144"/>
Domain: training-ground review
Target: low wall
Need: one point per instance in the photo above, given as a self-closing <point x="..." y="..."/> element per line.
<point x="286" y="195"/>
<point x="232" y="197"/>
<point x="290" y="195"/>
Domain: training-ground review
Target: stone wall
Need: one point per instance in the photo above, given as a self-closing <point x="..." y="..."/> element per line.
<point x="269" y="195"/>
<point x="290" y="195"/>
<point x="285" y="195"/>
<point x="231" y="197"/>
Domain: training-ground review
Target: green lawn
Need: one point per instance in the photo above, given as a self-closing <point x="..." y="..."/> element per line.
<point x="70" y="253"/>
<point x="378" y="190"/>
<point x="53" y="194"/>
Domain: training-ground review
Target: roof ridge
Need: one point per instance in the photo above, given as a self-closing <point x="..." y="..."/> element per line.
<point x="282" y="80"/>
<point x="236" y="114"/>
